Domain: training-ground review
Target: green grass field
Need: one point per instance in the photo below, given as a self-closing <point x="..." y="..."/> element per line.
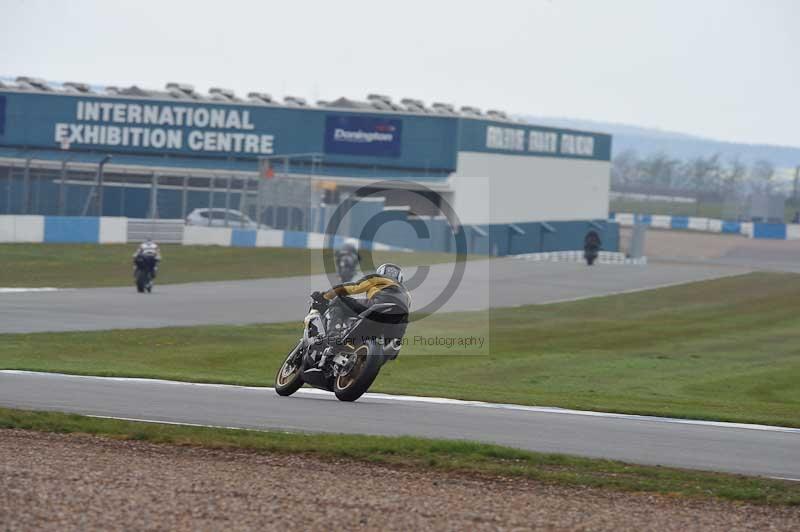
<point x="90" y="265"/>
<point x="442" y="455"/>
<point x="727" y="349"/>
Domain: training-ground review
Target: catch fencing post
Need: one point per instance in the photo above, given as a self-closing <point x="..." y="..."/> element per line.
<point x="122" y="190"/>
<point x="210" y="198"/>
<point x="227" y="200"/>
<point x="26" y="187"/>
<point x="37" y="196"/>
<point x="636" y="249"/>
<point x="8" y="190"/>
<point x="100" y="183"/>
<point x="184" y="195"/>
<point x="62" y="200"/>
<point x="154" y="196"/>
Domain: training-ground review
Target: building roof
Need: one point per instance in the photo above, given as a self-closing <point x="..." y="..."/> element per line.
<point x="185" y="91"/>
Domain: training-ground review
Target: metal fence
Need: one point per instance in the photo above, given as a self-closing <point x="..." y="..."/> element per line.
<point x="163" y="231"/>
<point x="67" y="188"/>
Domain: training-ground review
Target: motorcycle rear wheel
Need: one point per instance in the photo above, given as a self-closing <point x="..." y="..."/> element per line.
<point x="357" y="381"/>
<point x="288" y="379"/>
<point x="141" y="281"/>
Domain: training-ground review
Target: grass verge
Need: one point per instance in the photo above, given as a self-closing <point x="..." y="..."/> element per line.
<point x="727" y="349"/>
<point x="92" y="265"/>
<point x="443" y="455"/>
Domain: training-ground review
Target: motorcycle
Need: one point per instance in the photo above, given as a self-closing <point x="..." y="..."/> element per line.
<point x="590" y="253"/>
<point x="346" y="267"/>
<point x="347" y="366"/>
<point x="143" y="273"/>
<point x="591" y="247"/>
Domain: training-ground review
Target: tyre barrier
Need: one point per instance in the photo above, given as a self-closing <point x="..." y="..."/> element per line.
<point x="603" y="257"/>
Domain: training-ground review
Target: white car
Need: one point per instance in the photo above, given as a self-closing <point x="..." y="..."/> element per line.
<point x="220" y="218"/>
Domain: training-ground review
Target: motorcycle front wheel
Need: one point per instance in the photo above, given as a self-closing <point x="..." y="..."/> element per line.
<point x="367" y="362"/>
<point x="288" y="380"/>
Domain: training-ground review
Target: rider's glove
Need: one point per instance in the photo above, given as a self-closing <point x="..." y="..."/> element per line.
<point x="319" y="297"/>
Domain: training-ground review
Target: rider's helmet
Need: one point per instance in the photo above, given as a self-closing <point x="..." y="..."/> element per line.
<point x="391" y="271"/>
<point x="351" y="244"/>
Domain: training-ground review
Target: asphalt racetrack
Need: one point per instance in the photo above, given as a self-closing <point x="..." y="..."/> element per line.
<point x="485" y="284"/>
<point x="734" y="448"/>
<point x="766" y="451"/>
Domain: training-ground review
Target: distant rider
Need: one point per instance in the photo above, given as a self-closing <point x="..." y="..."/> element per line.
<point x="383" y="286"/>
<point x="148" y="255"/>
<point x="348" y="260"/>
<point x="591" y="246"/>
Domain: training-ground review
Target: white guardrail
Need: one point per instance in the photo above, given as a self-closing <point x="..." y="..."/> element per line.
<point x="773" y="231"/>
<point x="112" y="230"/>
<point x="603" y="257"/>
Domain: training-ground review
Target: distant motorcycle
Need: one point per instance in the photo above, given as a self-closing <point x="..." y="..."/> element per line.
<point x="591" y="247"/>
<point x="346" y="367"/>
<point x="590" y="254"/>
<point x="346" y="266"/>
<point x="143" y="273"/>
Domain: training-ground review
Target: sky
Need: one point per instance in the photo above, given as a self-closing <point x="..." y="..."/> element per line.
<point x="723" y="69"/>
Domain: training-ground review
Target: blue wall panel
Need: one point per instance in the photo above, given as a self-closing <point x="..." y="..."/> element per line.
<point x="679" y="222"/>
<point x="499" y="239"/>
<point x="243" y="238"/>
<point x="731" y="227"/>
<point x="771" y="231"/>
<point x="295" y="239"/>
<point x="71" y="229"/>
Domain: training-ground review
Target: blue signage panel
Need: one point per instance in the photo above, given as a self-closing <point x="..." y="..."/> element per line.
<point x="2" y="115"/>
<point x="365" y="136"/>
<point x="522" y="139"/>
<point x="228" y="133"/>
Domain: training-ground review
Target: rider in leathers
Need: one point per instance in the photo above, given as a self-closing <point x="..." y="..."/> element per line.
<point x="149" y="255"/>
<point x="384" y="286"/>
<point x="347" y="259"/>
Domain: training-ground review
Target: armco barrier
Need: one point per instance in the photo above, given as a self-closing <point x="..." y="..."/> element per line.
<point x="711" y="225"/>
<point x="603" y="257"/>
<point x="21" y="228"/>
<point x="113" y="230"/>
<point x="74" y="229"/>
<point x="226" y="236"/>
<point x="679" y="222"/>
<point x="771" y="231"/>
<point x="162" y="231"/>
<point x="60" y="229"/>
<point x="243" y="238"/>
<point x="108" y="230"/>
<point x="197" y="235"/>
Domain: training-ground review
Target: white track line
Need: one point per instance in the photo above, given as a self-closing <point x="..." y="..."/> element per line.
<point x="178" y="423"/>
<point x="438" y="401"/>
<point x="18" y="290"/>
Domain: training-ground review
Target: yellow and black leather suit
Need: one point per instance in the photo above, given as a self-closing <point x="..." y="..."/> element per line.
<point x="378" y="290"/>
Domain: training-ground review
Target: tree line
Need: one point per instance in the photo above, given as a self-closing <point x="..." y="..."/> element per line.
<point x="698" y="176"/>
